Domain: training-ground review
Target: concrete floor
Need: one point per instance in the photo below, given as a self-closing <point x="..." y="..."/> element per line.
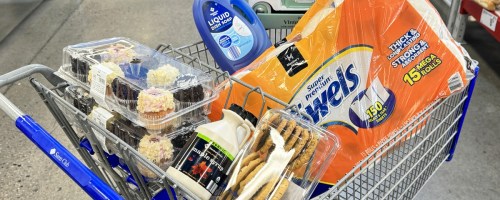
<point x="27" y="174"/>
<point x="13" y="13"/>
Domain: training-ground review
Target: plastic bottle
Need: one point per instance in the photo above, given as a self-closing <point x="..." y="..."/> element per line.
<point x="203" y="163"/>
<point x="233" y="40"/>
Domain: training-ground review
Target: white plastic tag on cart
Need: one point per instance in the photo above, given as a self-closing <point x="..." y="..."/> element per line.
<point x="98" y="84"/>
<point x="100" y="116"/>
<point x="489" y="19"/>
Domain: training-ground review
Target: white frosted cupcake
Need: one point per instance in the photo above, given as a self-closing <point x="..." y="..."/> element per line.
<point x="157" y="149"/>
<point x="163" y="76"/>
<point x="153" y="105"/>
<point x="120" y="54"/>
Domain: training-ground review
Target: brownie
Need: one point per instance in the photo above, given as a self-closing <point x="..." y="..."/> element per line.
<point x="80" y="69"/>
<point x="191" y="90"/>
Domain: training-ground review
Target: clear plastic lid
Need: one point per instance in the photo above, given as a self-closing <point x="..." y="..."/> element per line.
<point x="147" y="87"/>
<point x="285" y="159"/>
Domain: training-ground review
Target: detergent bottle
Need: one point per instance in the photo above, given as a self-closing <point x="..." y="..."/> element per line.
<point x="232" y="32"/>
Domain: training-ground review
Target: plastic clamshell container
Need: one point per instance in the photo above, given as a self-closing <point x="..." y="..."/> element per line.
<point x="158" y="153"/>
<point x="285" y="159"/>
<point x="79" y="98"/>
<point x="121" y="127"/>
<point x="117" y="70"/>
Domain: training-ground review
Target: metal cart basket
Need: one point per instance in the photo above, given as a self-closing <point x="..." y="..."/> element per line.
<point x="397" y="169"/>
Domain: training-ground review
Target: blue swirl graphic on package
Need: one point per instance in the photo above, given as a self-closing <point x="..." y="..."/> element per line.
<point x="232" y="35"/>
<point x="373" y="106"/>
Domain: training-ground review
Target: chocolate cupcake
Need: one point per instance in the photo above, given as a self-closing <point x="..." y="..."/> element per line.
<point x="190" y="93"/>
<point x="80" y="69"/>
<point x="125" y="93"/>
<point x="128" y="132"/>
<point x="185" y="130"/>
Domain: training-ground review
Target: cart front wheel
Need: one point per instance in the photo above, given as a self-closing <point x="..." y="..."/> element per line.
<point x="262" y="7"/>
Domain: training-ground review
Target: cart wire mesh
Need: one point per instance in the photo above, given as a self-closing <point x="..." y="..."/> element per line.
<point x="397" y="169"/>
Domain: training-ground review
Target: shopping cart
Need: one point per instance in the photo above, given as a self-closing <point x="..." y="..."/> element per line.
<point x="397" y="169"/>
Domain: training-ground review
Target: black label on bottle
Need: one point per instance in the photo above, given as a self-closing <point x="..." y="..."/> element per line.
<point x="279" y="43"/>
<point x="292" y="60"/>
<point x="205" y="162"/>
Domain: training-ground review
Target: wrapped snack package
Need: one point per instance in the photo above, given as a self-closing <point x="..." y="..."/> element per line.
<point x="361" y="68"/>
<point x="285" y="159"/>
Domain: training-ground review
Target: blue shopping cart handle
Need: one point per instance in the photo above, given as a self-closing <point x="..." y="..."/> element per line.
<point x="83" y="176"/>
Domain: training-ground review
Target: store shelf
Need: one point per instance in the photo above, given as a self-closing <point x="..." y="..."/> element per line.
<point x="488" y="19"/>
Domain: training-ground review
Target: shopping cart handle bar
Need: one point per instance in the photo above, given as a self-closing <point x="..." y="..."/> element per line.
<point x="29" y="70"/>
<point x="83" y="176"/>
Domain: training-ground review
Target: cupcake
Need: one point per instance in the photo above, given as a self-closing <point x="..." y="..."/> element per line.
<point x="137" y="70"/>
<point x="120" y="54"/>
<point x="190" y="89"/>
<point x="157" y="149"/>
<point x="153" y="105"/>
<point x="190" y="92"/>
<point x="163" y="76"/>
<point x="80" y="69"/>
<point x="125" y="93"/>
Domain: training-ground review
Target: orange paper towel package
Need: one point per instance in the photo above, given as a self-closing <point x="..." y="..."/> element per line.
<point x="361" y="68"/>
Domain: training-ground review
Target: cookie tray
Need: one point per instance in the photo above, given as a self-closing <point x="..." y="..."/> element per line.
<point x="284" y="159"/>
